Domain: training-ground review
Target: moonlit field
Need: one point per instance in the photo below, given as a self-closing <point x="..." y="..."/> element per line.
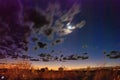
<point x="59" y="40"/>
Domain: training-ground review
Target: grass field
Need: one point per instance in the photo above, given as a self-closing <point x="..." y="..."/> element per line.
<point x="83" y="74"/>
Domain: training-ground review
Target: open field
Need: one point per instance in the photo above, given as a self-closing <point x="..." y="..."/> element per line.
<point x="102" y="73"/>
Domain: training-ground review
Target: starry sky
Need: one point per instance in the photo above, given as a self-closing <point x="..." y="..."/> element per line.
<point x="100" y="33"/>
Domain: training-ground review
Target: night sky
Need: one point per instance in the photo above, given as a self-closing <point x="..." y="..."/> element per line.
<point x="99" y="33"/>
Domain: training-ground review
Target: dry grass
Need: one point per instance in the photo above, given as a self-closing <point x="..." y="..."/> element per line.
<point x="20" y="71"/>
<point x="24" y="71"/>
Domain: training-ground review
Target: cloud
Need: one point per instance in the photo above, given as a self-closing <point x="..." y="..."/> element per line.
<point x="113" y="54"/>
<point x="13" y="31"/>
<point x="57" y="26"/>
<point x="48" y="32"/>
<point x="75" y="9"/>
<point x="34" y="60"/>
<point x="53" y="21"/>
<point x="34" y="39"/>
<point x="81" y="24"/>
<point x="64" y="32"/>
<point x="41" y="44"/>
<point x="46" y="57"/>
<point x="21" y="23"/>
<point x="2" y="56"/>
<point x="37" y="17"/>
<point x="85" y="46"/>
<point x="42" y="55"/>
<point x="57" y="41"/>
<point x="25" y="57"/>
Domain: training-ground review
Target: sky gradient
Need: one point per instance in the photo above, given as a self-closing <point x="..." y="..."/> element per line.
<point x="100" y="33"/>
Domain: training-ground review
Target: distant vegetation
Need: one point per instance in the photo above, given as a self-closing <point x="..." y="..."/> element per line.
<point x="24" y="71"/>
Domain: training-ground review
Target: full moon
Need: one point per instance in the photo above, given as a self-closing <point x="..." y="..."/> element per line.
<point x="70" y="27"/>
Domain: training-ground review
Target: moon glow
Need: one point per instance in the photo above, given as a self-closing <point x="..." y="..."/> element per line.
<point x="70" y="27"/>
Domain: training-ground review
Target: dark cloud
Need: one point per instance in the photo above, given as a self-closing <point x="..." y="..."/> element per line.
<point x="114" y="57"/>
<point x="34" y="60"/>
<point x="52" y="51"/>
<point x="10" y="12"/>
<point x="34" y="39"/>
<point x="35" y="48"/>
<point x="14" y="56"/>
<point x="45" y="55"/>
<point x="42" y="55"/>
<point x="42" y="45"/>
<point x="75" y="57"/>
<point x="53" y="44"/>
<point x="57" y="41"/>
<point x="45" y="60"/>
<point x="85" y="53"/>
<point x="65" y="58"/>
<point x="37" y="17"/>
<point x="18" y="23"/>
<point x="49" y="57"/>
<point x="72" y="57"/>
<point x="113" y="54"/>
<point x="84" y="57"/>
<point x="25" y="57"/>
<point x="13" y="32"/>
<point x="56" y="58"/>
<point x="25" y="48"/>
<point x="2" y="56"/>
<point x="48" y="31"/>
<point x="15" y="26"/>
